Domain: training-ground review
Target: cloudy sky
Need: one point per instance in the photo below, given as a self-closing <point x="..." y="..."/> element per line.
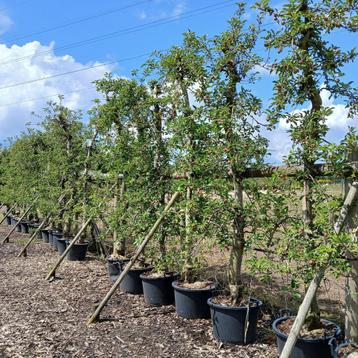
<point x="41" y="40"/>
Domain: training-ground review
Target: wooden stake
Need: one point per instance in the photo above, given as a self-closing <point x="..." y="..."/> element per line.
<point x="23" y="251"/>
<point x="304" y="307"/>
<point x="351" y="287"/>
<point x="95" y="316"/>
<point x="68" y="248"/>
<point x="6" y="239"/>
<point x="7" y="214"/>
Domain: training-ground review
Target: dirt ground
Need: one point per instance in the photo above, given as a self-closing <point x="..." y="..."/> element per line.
<point x="47" y="319"/>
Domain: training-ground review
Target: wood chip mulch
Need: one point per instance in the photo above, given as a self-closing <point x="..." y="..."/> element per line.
<point x="48" y="319"/>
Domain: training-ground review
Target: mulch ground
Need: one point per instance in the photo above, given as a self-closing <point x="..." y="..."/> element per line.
<point x="48" y="319"/>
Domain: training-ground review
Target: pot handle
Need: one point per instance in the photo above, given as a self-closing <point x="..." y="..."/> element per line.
<point x="333" y="345"/>
<point x="285" y="312"/>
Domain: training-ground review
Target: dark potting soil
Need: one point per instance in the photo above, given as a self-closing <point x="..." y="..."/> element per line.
<point x="327" y="329"/>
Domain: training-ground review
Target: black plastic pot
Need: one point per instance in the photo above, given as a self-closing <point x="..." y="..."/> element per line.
<point x="114" y="268"/>
<point x="158" y="291"/>
<point x="229" y="322"/>
<point x="13" y="221"/>
<point x="336" y="350"/>
<point x="132" y="283"/>
<point x="50" y="237"/>
<point x="24" y="227"/>
<point x="8" y="220"/>
<point x="78" y="251"/>
<point x="18" y="228"/>
<point x="305" y="348"/>
<point x="61" y="245"/>
<point x="55" y="236"/>
<point x="192" y="303"/>
<point x="44" y="235"/>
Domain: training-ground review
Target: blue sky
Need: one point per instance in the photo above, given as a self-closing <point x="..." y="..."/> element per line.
<point x="29" y="50"/>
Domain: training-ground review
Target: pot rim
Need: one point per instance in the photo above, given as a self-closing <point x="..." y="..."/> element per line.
<point x="304" y="340"/>
<point x="172" y="274"/>
<point x="186" y="289"/>
<point x="79" y="243"/>
<point x="233" y="308"/>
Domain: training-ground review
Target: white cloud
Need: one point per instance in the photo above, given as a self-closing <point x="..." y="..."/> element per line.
<point x="338" y="123"/>
<point x="178" y="9"/>
<point x="337" y="120"/>
<point x="14" y="117"/>
<point x="163" y="10"/>
<point x="5" y="23"/>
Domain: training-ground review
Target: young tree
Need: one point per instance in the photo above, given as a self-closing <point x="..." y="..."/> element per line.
<point x="307" y="64"/>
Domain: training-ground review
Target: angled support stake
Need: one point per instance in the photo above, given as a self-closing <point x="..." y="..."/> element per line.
<point x="7" y="214"/>
<point x="52" y="272"/>
<point x="23" y="251"/>
<point x="6" y="239"/>
<point x="313" y="287"/>
<point x="95" y="316"/>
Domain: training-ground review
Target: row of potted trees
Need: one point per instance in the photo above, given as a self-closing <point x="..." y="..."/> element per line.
<point x="190" y="120"/>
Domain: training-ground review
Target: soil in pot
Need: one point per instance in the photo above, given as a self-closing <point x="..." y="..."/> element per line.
<point x="311" y="344"/>
<point x="24" y="227"/>
<point x="78" y="251"/>
<point x="229" y="322"/>
<point x="132" y="283"/>
<point x="114" y="267"/>
<point x="347" y="350"/>
<point x="158" y="289"/>
<point x="44" y="235"/>
<point x="191" y="299"/>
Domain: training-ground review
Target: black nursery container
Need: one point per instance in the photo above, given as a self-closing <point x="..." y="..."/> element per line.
<point x="114" y="268"/>
<point x="45" y="236"/>
<point x="229" y="322"/>
<point x="337" y="350"/>
<point x="132" y="283"/>
<point x="61" y="245"/>
<point x="306" y="348"/>
<point x="192" y="303"/>
<point x="77" y="252"/>
<point x="55" y="236"/>
<point x="24" y="227"/>
<point x="13" y="221"/>
<point x="8" y="220"/>
<point x="50" y="237"/>
<point x="18" y="227"/>
<point x="158" y="291"/>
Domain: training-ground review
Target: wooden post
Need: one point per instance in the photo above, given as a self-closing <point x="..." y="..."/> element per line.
<point x="68" y="248"/>
<point x="304" y="307"/>
<point x="6" y="239"/>
<point x="152" y="231"/>
<point x="7" y="214"/>
<point x="351" y="287"/>
<point x="23" y="251"/>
